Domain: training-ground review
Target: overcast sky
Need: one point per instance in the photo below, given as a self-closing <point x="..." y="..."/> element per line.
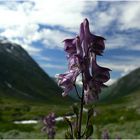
<point x="40" y="26"/>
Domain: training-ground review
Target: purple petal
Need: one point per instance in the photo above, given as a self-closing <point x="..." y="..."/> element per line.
<point x="67" y="80"/>
<point x="88" y="96"/>
<point x="70" y="45"/>
<point x="91" y="92"/>
<point x="96" y="43"/>
<point x="81" y="32"/>
<point x="73" y="62"/>
<point x="79" y="47"/>
<point x="100" y="73"/>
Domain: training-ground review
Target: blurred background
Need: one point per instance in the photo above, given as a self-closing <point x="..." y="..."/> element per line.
<point x="31" y="53"/>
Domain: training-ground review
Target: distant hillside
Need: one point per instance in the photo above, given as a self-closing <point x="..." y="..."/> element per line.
<point x="124" y="86"/>
<point x="22" y="78"/>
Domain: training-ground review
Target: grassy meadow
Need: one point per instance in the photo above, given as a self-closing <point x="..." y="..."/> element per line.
<point x="120" y="117"/>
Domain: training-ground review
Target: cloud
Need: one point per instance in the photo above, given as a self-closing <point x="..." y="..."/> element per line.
<point x="122" y="63"/>
<point x="27" y="33"/>
<point x="10" y="17"/>
<point x="53" y="38"/>
<point x="129" y="17"/>
<point x="117" y="41"/>
<point x="48" y="65"/>
<point x="123" y="68"/>
<point x="31" y="14"/>
<point x="135" y="47"/>
<point x="42" y="12"/>
<point x="20" y="21"/>
<point x="58" y="12"/>
<point x="32" y="50"/>
<point x="44" y="58"/>
<point x="114" y="16"/>
<point x="123" y="40"/>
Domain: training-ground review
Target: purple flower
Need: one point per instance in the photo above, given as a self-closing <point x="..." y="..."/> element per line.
<point x="99" y="73"/>
<point x="88" y="95"/>
<point x="81" y="32"/>
<point x="90" y="41"/>
<point x="81" y="54"/>
<point x="73" y="47"/>
<point x="79" y="50"/>
<point x="74" y="62"/>
<point x="49" y="122"/>
<point x="70" y="46"/>
<point x="66" y="81"/>
<point x="92" y="90"/>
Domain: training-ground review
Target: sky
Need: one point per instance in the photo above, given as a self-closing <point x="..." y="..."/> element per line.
<point x="40" y="26"/>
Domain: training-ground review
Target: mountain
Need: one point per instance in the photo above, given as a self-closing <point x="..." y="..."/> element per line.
<point x="126" y="85"/>
<point x="22" y="78"/>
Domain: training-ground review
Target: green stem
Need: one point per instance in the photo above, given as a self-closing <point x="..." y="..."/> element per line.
<point x="81" y="111"/>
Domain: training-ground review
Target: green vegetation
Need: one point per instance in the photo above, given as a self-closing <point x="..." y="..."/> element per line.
<point x="120" y="118"/>
<point x="14" y="110"/>
<point x="19" y="110"/>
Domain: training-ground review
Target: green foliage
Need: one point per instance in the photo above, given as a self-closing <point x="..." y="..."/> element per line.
<point x="6" y="126"/>
<point x="90" y="113"/>
<point x="75" y="132"/>
<point x="89" y="131"/>
<point x="68" y="135"/>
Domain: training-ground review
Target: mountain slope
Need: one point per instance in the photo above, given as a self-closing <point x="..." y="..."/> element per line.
<point x="22" y="78"/>
<point x="124" y="86"/>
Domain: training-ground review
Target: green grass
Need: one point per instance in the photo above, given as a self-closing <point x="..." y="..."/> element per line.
<point x="120" y="117"/>
<point x="19" y="110"/>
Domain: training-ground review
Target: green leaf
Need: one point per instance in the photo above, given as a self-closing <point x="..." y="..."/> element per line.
<point x="89" y="131"/>
<point x="90" y="112"/>
<point x="76" y="132"/>
<point x="68" y="135"/>
<point x="91" y="120"/>
<point x="67" y="120"/>
<point x="70" y="125"/>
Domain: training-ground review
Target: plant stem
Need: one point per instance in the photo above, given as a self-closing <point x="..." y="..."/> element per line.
<point x="81" y="111"/>
<point x="71" y="130"/>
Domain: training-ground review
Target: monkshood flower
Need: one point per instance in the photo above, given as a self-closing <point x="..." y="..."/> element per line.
<point x="73" y="62"/>
<point x="70" y="46"/>
<point x="99" y="73"/>
<point x="88" y="95"/>
<point x="90" y="41"/>
<point x="81" y="55"/>
<point x="49" y="122"/>
<point x="67" y="80"/>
